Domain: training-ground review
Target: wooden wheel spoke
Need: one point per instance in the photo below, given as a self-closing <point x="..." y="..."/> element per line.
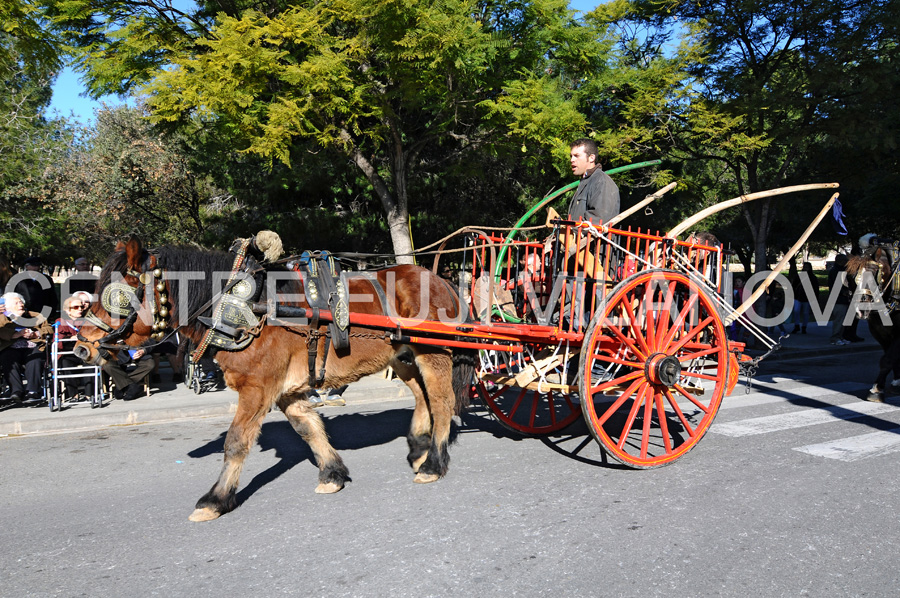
<point x="635" y="327"/>
<point x="697" y="330"/>
<point x="632" y="414"/>
<point x="674" y="404"/>
<point x="648" y="411"/>
<point x="552" y="406"/>
<point x="649" y="319"/>
<point x="699" y="375"/>
<point x="663" y="424"/>
<point x="691" y="398"/>
<point x="662" y="327"/>
<point x="616" y="381"/>
<point x="534" y="407"/>
<point x="679" y="319"/>
<point x="518" y="402"/>
<point x="618" y="402"/>
<point x="705" y="352"/>
<point x="608" y="359"/>
<point x="617" y="332"/>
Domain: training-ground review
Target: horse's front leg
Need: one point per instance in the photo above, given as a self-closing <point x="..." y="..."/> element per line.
<point x="243" y="432"/>
<point x="333" y="474"/>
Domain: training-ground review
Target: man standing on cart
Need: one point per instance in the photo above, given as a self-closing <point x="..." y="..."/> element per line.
<point x="597" y="196"/>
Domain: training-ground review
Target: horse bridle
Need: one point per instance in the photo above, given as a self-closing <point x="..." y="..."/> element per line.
<point x="161" y="330"/>
<point x="152" y="274"/>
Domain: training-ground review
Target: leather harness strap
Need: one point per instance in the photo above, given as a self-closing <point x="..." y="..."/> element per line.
<point x="235" y="269"/>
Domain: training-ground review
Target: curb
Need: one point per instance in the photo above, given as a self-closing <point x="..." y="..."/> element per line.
<point x="164" y="406"/>
<point x="92" y="419"/>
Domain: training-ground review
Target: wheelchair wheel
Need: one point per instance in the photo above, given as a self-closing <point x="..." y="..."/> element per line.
<point x="195" y="384"/>
<point x="189" y="370"/>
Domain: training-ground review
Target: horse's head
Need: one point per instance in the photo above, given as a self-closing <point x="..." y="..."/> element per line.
<point x="875" y="261"/>
<point x="133" y="306"/>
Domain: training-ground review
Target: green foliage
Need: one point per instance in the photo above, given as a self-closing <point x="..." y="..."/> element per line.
<point x="756" y="88"/>
<point x="28" y="141"/>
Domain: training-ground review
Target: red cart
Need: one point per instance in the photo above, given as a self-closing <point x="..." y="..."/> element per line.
<point x="625" y="328"/>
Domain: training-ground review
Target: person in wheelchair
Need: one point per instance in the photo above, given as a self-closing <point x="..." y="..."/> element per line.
<point x="67" y="327"/>
<point x="23" y="340"/>
<point x="128" y="369"/>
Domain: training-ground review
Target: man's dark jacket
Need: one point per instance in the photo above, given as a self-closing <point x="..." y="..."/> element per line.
<point x="596" y="199"/>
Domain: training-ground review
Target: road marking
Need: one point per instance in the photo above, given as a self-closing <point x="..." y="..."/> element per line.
<point x="856" y="447"/>
<point x="805" y="391"/>
<point x="800" y="419"/>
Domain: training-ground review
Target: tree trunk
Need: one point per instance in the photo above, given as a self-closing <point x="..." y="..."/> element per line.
<point x="760" y="221"/>
<point x="395" y="211"/>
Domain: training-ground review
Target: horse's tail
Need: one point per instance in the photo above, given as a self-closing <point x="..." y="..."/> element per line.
<point x="463" y="376"/>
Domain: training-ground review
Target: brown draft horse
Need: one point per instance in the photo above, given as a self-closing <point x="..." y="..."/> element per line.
<point x="274" y="368"/>
<point x="884" y="324"/>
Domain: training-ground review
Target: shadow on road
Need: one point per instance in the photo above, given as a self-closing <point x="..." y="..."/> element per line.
<point x="351" y="431"/>
<point x="574" y="442"/>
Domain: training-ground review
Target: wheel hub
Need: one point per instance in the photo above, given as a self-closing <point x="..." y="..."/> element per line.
<point x="663" y="369"/>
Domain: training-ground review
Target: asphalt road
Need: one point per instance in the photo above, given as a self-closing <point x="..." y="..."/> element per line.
<point x="792" y="493"/>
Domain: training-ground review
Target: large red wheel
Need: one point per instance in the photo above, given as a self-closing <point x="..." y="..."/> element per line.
<point x="654" y="368"/>
<point x="533" y="393"/>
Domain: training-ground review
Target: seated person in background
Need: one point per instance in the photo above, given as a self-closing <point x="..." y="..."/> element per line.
<point x="67" y="327"/>
<point x="128" y="370"/>
<point x="37" y="291"/>
<point x="23" y="337"/>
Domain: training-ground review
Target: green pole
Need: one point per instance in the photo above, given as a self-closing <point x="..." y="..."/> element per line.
<point x="498" y="268"/>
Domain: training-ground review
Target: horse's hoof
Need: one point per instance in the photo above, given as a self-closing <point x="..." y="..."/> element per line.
<point x="328" y="488"/>
<point x="204" y="514"/>
<point x="426" y="478"/>
<point x="418" y="463"/>
<point x="875" y="397"/>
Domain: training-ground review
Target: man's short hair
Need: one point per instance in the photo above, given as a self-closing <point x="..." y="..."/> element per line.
<point x="7" y="297"/>
<point x="590" y="147"/>
<point x="81" y="260"/>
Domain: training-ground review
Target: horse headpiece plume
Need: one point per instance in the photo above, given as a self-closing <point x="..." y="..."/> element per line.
<point x="266" y="242"/>
<point x="270" y="244"/>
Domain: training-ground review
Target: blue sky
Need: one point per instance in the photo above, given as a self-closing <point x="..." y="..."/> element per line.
<point x="68" y="91"/>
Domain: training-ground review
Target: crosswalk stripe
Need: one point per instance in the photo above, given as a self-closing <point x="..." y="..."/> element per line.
<point x="799" y="419"/>
<point x="738" y="400"/>
<point x="856" y="447"/>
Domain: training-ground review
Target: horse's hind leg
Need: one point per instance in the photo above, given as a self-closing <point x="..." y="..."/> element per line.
<point x="436" y="370"/>
<point x="333" y="474"/>
<point x="243" y="432"/>
<point x="419" y="436"/>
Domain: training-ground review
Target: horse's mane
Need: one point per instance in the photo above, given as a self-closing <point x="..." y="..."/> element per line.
<point x="174" y="259"/>
<point x="855" y="264"/>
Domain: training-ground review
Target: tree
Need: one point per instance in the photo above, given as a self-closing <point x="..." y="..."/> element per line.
<point x="122" y="177"/>
<point x="761" y="81"/>
<point x="28" y="140"/>
<point x="381" y="82"/>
